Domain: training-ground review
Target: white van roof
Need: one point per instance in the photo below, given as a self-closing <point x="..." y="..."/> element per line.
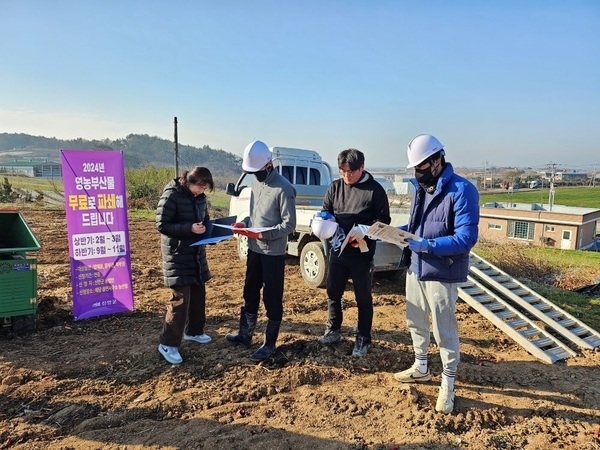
<point x="296" y="153"/>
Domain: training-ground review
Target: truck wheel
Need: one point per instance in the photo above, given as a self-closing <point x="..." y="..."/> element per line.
<point x="313" y="265"/>
<point x="242" y="247"/>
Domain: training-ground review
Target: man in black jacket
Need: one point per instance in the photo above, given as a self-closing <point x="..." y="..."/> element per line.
<point x="354" y="199"/>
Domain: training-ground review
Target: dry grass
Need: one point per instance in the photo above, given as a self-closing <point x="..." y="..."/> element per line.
<point x="532" y="263"/>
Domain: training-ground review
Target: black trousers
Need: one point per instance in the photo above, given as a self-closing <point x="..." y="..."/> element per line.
<point x="264" y="272"/>
<point x="360" y="269"/>
<point x="186" y="313"/>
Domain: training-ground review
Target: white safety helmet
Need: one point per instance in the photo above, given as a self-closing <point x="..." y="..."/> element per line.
<point x="421" y="148"/>
<point x="256" y="155"/>
<point x="323" y="225"/>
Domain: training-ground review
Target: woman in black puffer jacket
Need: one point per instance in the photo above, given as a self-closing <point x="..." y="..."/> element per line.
<point x="181" y="216"/>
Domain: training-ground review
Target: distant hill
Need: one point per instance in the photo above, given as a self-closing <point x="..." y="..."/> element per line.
<point x="139" y="150"/>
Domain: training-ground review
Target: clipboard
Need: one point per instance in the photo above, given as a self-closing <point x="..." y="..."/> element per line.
<point x="218" y="233"/>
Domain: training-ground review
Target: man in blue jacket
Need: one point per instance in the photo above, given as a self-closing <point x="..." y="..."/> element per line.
<point x="445" y="216"/>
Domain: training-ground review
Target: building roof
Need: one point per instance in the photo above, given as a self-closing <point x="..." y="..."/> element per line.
<point x="540" y="207"/>
<point x="27" y="163"/>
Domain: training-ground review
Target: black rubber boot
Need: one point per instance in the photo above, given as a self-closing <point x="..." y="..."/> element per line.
<point x="247" y="324"/>
<point x="269" y="346"/>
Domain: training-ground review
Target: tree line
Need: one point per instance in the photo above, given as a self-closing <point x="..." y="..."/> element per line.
<point x="139" y="151"/>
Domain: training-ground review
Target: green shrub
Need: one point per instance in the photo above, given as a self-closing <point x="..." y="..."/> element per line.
<point x="7" y="195"/>
<point x="145" y="185"/>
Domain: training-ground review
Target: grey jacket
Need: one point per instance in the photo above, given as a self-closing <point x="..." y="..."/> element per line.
<point x="272" y="204"/>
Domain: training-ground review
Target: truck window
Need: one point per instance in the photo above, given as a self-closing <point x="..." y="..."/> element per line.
<point x="246" y="180"/>
<point x="288" y="173"/>
<point x="315" y="177"/>
<point x="301" y="177"/>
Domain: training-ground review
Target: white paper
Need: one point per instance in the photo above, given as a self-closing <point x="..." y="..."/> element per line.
<point x="357" y="232"/>
<point x="389" y="233"/>
<point x="376" y="231"/>
<point x="253" y="229"/>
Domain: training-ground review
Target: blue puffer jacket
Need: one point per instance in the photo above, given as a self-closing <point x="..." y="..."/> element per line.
<point x="450" y="223"/>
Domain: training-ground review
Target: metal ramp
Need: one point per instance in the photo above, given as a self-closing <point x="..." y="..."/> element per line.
<point x="509" y="320"/>
<point x="543" y="309"/>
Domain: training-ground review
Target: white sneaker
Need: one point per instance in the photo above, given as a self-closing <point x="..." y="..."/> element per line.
<point x="445" y="400"/>
<point x="412" y="375"/>
<point x="171" y="354"/>
<point x="200" y="338"/>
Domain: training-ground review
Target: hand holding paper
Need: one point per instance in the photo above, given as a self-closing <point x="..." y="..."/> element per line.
<point x="213" y="231"/>
<point x="198" y="228"/>
<point x="240" y="228"/>
<point x="356" y="238"/>
<point x="356" y="233"/>
<point x="391" y="234"/>
<point x="249" y="233"/>
<point x="418" y="245"/>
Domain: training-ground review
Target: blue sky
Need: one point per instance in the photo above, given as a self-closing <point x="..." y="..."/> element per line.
<point x="500" y="83"/>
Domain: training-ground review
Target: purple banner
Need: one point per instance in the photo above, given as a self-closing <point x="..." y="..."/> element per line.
<point x="96" y="212"/>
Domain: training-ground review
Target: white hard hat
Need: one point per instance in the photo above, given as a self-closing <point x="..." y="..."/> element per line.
<point x="256" y="155"/>
<point x="421" y="148"/>
<point x="323" y="225"/>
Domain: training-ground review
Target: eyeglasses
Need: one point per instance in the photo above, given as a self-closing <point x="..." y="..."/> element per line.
<point x="423" y="165"/>
<point x="348" y="173"/>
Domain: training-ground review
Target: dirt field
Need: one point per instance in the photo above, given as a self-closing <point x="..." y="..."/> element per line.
<point x="101" y="384"/>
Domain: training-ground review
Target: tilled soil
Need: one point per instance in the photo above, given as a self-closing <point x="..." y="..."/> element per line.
<point x="101" y="384"/>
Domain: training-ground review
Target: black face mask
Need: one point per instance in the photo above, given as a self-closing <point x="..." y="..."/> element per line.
<point x="425" y="178"/>
<point x="262" y="175"/>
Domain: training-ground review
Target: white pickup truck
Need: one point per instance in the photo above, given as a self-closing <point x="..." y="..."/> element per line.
<point x="311" y="177"/>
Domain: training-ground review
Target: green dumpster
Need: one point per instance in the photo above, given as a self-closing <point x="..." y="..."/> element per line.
<point x="18" y="273"/>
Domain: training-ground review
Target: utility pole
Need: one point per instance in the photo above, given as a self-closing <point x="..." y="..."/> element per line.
<point x="176" y="145"/>
<point x="551" y="194"/>
<point x="484" y="173"/>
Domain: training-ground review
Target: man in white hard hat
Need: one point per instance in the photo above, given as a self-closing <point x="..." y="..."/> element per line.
<point x="272" y="204"/>
<point x="444" y="213"/>
<point x="355" y="198"/>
